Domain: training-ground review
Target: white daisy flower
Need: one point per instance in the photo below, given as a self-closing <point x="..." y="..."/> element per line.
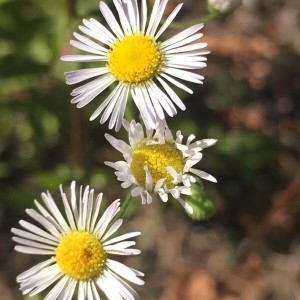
<point x="130" y="56"/>
<point x="158" y="164"/>
<point x="78" y="244"/>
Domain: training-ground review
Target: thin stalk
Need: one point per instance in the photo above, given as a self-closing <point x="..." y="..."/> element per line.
<point x="124" y="206"/>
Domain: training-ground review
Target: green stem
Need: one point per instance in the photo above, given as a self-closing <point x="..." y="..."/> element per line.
<point x="124" y="206"/>
<point x="210" y="16"/>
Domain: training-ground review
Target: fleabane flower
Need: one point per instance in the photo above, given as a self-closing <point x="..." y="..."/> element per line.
<point x="223" y="6"/>
<point x="78" y="243"/>
<point x="130" y="55"/>
<point x="156" y="164"/>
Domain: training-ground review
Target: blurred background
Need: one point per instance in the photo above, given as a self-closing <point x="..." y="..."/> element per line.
<point x="250" y="102"/>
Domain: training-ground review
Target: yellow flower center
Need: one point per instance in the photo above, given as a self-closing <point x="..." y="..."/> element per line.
<point x="134" y="59"/>
<point x="156" y="157"/>
<point x="80" y="255"/>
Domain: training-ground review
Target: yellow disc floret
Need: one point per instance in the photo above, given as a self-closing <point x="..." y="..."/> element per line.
<point x="134" y="59"/>
<point x="80" y="255"/>
<point x="156" y="157"/>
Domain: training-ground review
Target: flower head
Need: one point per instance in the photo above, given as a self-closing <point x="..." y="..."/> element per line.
<point x="223" y="6"/>
<point x="130" y="55"/>
<point x="78" y="246"/>
<point x="158" y="164"/>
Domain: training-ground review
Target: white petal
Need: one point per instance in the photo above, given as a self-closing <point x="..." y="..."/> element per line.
<point x="133" y="14"/>
<point x="96" y="211"/>
<point x="98" y="84"/>
<point x="202" y="144"/>
<point x="177" y="83"/>
<point x="186" y="41"/>
<point x="77" y="76"/>
<point x="168" y="21"/>
<point x="33" y="237"/>
<point x="192" y="160"/>
<point x="137" y="191"/>
<point x="98" y="35"/>
<point x="37" y="231"/>
<point x="84" y="47"/>
<point x="146" y="110"/>
<point x="143" y="15"/>
<point x="173" y="96"/>
<point x="90" y="43"/>
<point x="111" y="97"/>
<point x="123" y="18"/>
<point x="106" y="218"/>
<point x="203" y="175"/>
<point x="58" y="288"/>
<point x="33" y="244"/>
<point x="112" y="229"/>
<point x="186" y="206"/>
<point x="150" y="96"/>
<point x="57" y="217"/>
<point x="110" y="19"/>
<point x="86" y="97"/>
<point x="81" y="58"/>
<point x="34" y="270"/>
<point x="124" y="271"/>
<point x="163" y="100"/>
<point x="171" y="42"/>
<point x="44" y="222"/>
<point x="184" y="75"/>
<point x="135" y="134"/>
<point x="156" y="16"/>
<point x="187" y="48"/>
<point x="148" y="179"/>
<point x="120" y="145"/>
<point x="121" y="238"/>
<point x="118" y="111"/>
<point x="106" y="36"/>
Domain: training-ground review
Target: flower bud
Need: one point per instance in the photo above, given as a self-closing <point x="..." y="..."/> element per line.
<point x="203" y="204"/>
<point x="223" y="6"/>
